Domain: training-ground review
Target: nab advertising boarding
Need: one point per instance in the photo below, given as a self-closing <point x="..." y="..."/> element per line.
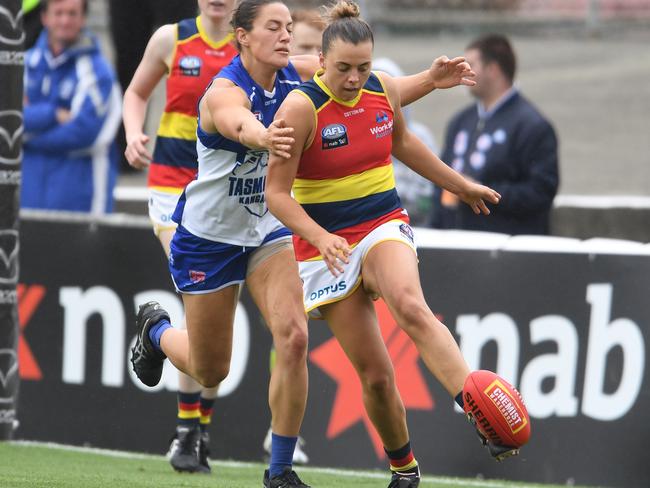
<point x="569" y="330"/>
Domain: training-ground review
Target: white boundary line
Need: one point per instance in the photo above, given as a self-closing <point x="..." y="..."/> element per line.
<point x="239" y="464"/>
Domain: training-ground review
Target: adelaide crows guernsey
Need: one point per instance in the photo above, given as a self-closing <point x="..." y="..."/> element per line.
<point x="195" y="61"/>
<point x="345" y="177"/>
<point x="226" y="202"/>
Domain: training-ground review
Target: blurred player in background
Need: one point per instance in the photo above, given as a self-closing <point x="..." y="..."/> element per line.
<point x="336" y="192"/>
<point x="189" y="54"/>
<point x="308" y="27"/>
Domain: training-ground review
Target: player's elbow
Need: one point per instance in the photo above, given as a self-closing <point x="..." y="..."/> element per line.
<point x="273" y="199"/>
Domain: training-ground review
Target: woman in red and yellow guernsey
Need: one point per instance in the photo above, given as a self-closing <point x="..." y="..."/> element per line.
<point x="189" y="53"/>
<point x="352" y="238"/>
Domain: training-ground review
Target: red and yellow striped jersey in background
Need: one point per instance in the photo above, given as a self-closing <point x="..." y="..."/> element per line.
<point x="195" y="61"/>
<point x="345" y="177"/>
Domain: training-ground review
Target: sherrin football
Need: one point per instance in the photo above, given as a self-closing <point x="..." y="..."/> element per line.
<point x="497" y="408"/>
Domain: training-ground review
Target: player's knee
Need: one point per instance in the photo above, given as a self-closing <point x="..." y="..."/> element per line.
<point x="292" y="341"/>
<point x="379" y="384"/>
<point x="413" y="314"/>
<point x="213" y="376"/>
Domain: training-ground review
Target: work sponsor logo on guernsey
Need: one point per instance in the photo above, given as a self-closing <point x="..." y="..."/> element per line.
<point x="190" y="66"/>
<point x="508" y="406"/>
<point x="328" y="290"/>
<point x="386" y="127"/>
<point x="334" y="135"/>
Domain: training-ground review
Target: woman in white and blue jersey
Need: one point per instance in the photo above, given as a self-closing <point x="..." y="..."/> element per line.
<point x="226" y="236"/>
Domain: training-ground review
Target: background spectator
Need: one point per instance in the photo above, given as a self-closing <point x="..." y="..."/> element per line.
<point x="72" y="111"/>
<point x="502" y="142"/>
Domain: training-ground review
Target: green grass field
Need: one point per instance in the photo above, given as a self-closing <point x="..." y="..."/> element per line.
<point x="31" y="465"/>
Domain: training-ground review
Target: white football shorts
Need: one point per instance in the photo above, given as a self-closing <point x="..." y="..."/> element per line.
<point x="321" y="287"/>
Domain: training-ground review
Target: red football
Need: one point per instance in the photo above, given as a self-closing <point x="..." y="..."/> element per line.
<point x="497" y="407"/>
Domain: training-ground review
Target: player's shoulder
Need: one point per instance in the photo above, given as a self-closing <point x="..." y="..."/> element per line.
<point x="225" y="90"/>
<point x="298" y="101"/>
<point x="383" y="80"/>
<point x="163" y="40"/>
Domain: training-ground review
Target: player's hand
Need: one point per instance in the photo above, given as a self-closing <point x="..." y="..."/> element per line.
<point x="136" y="152"/>
<point x="476" y="195"/>
<point x="448" y="73"/>
<point x="335" y="251"/>
<point x="278" y="139"/>
<point x="63" y="115"/>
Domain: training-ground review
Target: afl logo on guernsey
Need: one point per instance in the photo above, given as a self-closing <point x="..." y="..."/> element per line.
<point x="190" y="66"/>
<point x="334" y="135"/>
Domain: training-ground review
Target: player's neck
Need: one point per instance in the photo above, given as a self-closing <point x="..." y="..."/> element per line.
<point x="215" y="30"/>
<point x="262" y="73"/>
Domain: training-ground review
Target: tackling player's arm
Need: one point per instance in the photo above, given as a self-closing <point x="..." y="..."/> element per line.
<point x="153" y="66"/>
<point x="298" y="112"/>
<point x="414" y="153"/>
<point x="229" y="114"/>
<point x="443" y="73"/>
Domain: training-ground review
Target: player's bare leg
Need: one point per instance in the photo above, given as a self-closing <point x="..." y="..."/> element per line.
<point x="399" y="286"/>
<point x="390" y="270"/>
<point x="281" y="306"/>
<point x="362" y="342"/>
<point x="193" y="401"/>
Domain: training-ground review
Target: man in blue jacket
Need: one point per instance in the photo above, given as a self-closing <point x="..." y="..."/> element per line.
<point x="502" y="142"/>
<point x="72" y="112"/>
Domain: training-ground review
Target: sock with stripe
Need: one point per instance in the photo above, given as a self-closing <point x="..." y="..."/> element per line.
<point x="189" y="412"/>
<point x="281" y="453"/>
<point x="402" y="461"/>
<point x="156" y="332"/>
<point x="206" y="408"/>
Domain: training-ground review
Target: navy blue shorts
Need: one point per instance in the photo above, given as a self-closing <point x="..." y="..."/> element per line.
<point x="200" y="265"/>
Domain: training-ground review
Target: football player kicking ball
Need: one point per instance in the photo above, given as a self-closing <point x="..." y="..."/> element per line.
<point x="349" y="226"/>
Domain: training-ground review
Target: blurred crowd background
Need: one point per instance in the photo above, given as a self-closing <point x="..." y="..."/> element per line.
<point x="583" y="63"/>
